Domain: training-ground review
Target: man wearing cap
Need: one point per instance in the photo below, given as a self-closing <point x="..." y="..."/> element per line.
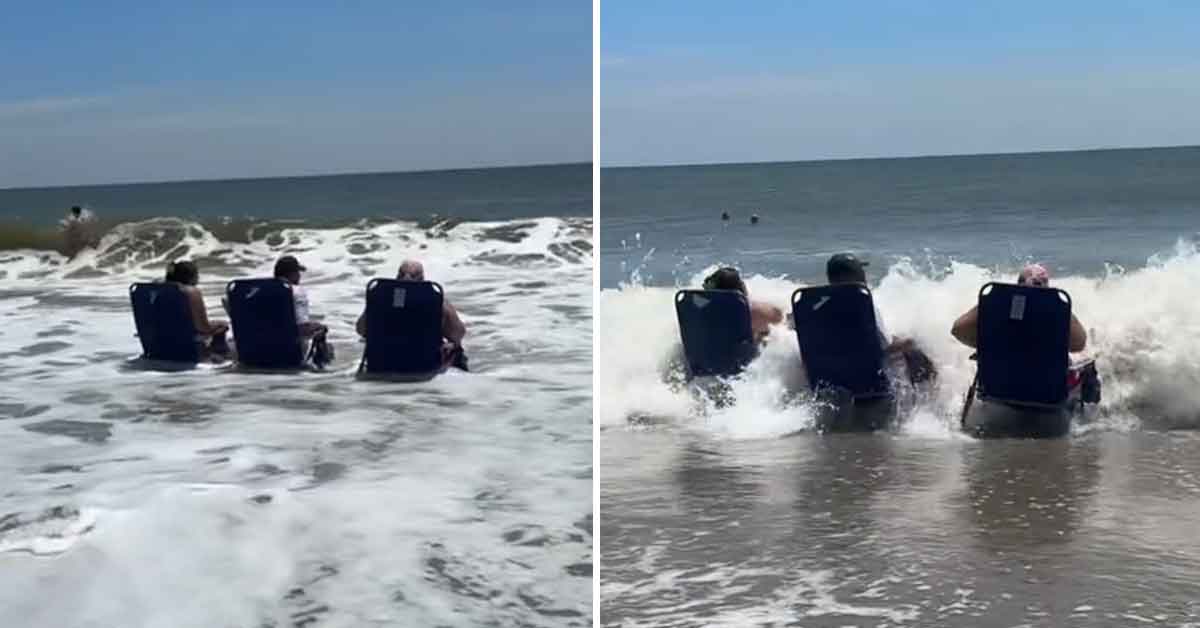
<point x="288" y="268"/>
<point x="847" y="268"/>
<point x="966" y="328"/>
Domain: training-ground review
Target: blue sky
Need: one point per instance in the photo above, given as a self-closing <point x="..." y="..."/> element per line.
<point x="125" y="91"/>
<point x="703" y="81"/>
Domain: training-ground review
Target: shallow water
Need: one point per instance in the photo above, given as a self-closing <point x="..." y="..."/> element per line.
<point x="212" y="498"/>
<point x="899" y="530"/>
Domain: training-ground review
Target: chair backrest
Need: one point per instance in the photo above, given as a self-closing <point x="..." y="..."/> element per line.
<point x="715" y="328"/>
<point x="1024" y="339"/>
<point x="263" y="316"/>
<point x="164" y="322"/>
<point x="839" y="339"/>
<point x="404" y="327"/>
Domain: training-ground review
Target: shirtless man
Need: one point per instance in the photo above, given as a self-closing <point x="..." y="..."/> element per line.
<point x="453" y="329"/>
<point x="210" y="335"/>
<point x="966" y="328"/>
<point x="762" y="315"/>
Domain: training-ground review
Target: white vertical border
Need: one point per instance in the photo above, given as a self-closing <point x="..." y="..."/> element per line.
<point x="595" y="309"/>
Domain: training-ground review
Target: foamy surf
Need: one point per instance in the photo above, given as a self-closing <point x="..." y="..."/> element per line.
<point x="211" y="497"/>
<point x="1143" y="325"/>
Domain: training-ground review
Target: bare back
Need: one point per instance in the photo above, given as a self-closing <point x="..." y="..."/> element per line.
<point x="204" y="327"/>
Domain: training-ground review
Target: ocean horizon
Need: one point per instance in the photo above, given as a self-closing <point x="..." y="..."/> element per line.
<point x="1049" y="151"/>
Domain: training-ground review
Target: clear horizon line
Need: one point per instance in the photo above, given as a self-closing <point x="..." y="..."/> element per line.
<point x="1096" y="149"/>
<point x="293" y="176"/>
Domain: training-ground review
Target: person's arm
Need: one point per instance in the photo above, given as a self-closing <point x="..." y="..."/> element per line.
<point x="762" y="316"/>
<point x="1078" y="335"/>
<point x="452" y="326"/>
<point x="966" y="328"/>
<point x="899" y="345"/>
<point x="361" y="325"/>
<point x="774" y="315"/>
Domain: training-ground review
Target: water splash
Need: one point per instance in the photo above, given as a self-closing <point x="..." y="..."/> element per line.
<point x="1144" y="330"/>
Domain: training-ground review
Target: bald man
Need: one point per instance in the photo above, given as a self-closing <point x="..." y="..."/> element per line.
<point x="453" y="328"/>
<point x="966" y="328"/>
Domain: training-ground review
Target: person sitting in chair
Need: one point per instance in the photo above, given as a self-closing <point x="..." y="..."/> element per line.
<point x="847" y="268"/>
<point x="762" y="314"/>
<point x="210" y="335"/>
<point x="288" y="268"/>
<point x="453" y="329"/>
<point x="966" y="328"/>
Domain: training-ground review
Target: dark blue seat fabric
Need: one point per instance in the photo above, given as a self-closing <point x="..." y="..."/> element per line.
<point x="263" y="317"/>
<point x="404" y="328"/>
<point x="715" y="328"/>
<point x="1023" y="344"/>
<point x="839" y="339"/>
<point x="164" y="322"/>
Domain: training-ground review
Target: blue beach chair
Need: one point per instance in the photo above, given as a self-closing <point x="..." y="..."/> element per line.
<point x="715" y="328"/>
<point x="839" y="341"/>
<point x="1021" y="377"/>
<point x="1023" y="342"/>
<point x="164" y="322"/>
<point x="404" y="330"/>
<point x="263" y="316"/>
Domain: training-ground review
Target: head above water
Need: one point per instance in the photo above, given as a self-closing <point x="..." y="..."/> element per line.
<point x="411" y="270"/>
<point x="76" y="210"/>
<point x="726" y="278"/>
<point x="846" y="268"/>
<point x="1034" y="275"/>
<point x="184" y="272"/>
<point x="289" y="268"/>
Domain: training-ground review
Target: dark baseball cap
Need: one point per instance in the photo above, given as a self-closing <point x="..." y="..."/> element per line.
<point x="844" y="266"/>
<point x="287" y="265"/>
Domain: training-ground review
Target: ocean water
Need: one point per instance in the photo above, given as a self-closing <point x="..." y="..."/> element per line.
<point x="212" y="498"/>
<point x="516" y="192"/>
<point x="742" y="515"/>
